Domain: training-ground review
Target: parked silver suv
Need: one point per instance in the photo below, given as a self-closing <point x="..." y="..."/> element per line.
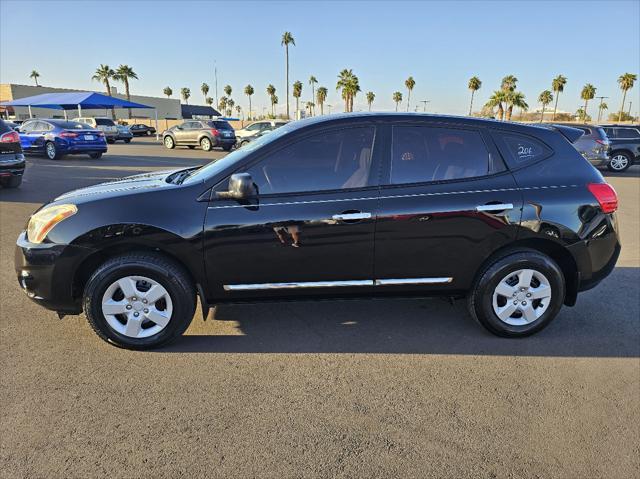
<point x="106" y="125"/>
<point x="594" y="144"/>
<point x="203" y="133"/>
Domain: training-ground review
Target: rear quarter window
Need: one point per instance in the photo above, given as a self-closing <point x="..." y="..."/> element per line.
<point x="220" y="125"/>
<point x="4" y="127"/>
<point x="519" y="150"/>
<point x="104" y="122"/>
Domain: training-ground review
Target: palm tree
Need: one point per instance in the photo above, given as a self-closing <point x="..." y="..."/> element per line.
<point x="248" y="90"/>
<point x="287" y="39"/>
<point x="587" y="93"/>
<point x="370" y="97"/>
<point x="222" y="105"/>
<point x="204" y="88"/>
<point x="309" y="106"/>
<point x="297" y="92"/>
<point x="230" y="105"/>
<point x="474" y="86"/>
<point x="603" y="106"/>
<point x="626" y="82"/>
<point x="208" y="100"/>
<point x="228" y="90"/>
<point x="321" y="97"/>
<point x="350" y="86"/>
<point x="34" y="74"/>
<point x="409" y="83"/>
<point x="271" y="91"/>
<point x="123" y="74"/>
<point x="238" y="110"/>
<point x="397" y="97"/>
<point x="557" y="85"/>
<point x="312" y="82"/>
<point x="104" y="74"/>
<point x="185" y="93"/>
<point x="545" y="98"/>
<point x="496" y="100"/>
<point x="167" y="91"/>
<point x="515" y="99"/>
<point x="508" y="83"/>
<point x="274" y="102"/>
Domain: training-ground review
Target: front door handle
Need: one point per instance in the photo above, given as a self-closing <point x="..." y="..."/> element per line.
<point x="495" y="207"/>
<point x="356" y="216"/>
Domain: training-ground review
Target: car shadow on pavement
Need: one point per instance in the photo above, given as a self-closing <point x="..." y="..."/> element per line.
<point x="632" y="172"/>
<point x="604" y="323"/>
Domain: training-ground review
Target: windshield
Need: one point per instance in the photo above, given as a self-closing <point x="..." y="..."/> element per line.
<point x="72" y="125"/>
<point x="218" y="166"/>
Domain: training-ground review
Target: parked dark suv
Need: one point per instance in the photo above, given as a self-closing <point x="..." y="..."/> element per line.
<point x="11" y="158"/>
<point x="509" y="216"/>
<point x="625" y="146"/>
<point x="203" y="133"/>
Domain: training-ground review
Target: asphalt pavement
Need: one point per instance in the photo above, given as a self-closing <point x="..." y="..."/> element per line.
<point x="366" y="388"/>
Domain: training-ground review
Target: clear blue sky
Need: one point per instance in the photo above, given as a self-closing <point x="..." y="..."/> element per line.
<point x="441" y="44"/>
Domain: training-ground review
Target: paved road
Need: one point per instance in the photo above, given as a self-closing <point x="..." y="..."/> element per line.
<point x="393" y="388"/>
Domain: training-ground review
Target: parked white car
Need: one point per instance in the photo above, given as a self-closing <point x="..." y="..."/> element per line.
<point x="106" y="125"/>
<point x="259" y="126"/>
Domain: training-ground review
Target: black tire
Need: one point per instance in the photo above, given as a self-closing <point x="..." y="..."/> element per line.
<point x="110" y="141"/>
<point x="480" y="298"/>
<point x="623" y="159"/>
<point x="128" y="140"/>
<point x="206" y="144"/>
<point x="169" y="142"/>
<point x="227" y="148"/>
<point x="11" y="182"/>
<point x="51" y="151"/>
<point x="156" y="267"/>
<point x="95" y="156"/>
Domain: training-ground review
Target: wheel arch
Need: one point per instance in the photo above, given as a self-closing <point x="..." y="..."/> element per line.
<point x="622" y="150"/>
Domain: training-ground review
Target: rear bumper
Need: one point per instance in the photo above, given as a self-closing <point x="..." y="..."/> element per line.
<point x="225" y="141"/>
<point x="12" y="167"/>
<point x="80" y="149"/>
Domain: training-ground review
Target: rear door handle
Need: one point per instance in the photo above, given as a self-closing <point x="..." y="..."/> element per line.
<point x="351" y="216"/>
<point x="495" y="207"/>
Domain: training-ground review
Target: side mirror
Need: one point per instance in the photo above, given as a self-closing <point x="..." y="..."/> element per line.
<point x="241" y="186"/>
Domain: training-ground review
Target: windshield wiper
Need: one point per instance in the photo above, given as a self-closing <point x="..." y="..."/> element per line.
<point x="179" y="176"/>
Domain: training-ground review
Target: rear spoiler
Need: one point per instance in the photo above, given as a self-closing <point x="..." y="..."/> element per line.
<point x="570" y="133"/>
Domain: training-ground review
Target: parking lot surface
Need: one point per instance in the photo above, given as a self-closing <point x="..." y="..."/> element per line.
<point x="384" y="388"/>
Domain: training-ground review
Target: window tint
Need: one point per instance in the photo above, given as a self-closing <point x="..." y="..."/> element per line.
<point x="254" y="127"/>
<point x="627" y="133"/>
<point x="423" y="153"/>
<point x="520" y="149"/>
<point x="220" y="125"/>
<point x="104" y="122"/>
<point x="4" y="127"/>
<point x="326" y="161"/>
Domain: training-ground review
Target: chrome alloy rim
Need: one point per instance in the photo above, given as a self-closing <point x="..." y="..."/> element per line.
<point x="168" y="141"/>
<point x="137" y="306"/>
<point x="51" y="150"/>
<point x="521" y="297"/>
<point x="619" y="162"/>
<point x="205" y="143"/>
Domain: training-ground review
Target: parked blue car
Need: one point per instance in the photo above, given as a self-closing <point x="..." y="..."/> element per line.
<point x="56" y="138"/>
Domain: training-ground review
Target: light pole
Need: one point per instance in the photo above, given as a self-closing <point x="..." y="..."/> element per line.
<point x="629" y="112"/>
<point x="329" y="107"/>
<point x="600" y="107"/>
<point x="424" y="102"/>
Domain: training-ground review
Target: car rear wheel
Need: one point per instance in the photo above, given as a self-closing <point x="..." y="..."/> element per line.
<point x="191" y="147"/>
<point x="205" y="144"/>
<point x="139" y="301"/>
<point x="169" y="143"/>
<point x="128" y="140"/>
<point x="11" y="182"/>
<point x="619" y="162"/>
<point x="51" y="151"/>
<point x="518" y="294"/>
<point x="95" y="156"/>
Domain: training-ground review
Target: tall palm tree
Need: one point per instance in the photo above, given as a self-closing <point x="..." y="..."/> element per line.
<point x="208" y="100"/>
<point x="185" y="93"/>
<point x="309" y="106"/>
<point x="271" y="91"/>
<point x="587" y="93"/>
<point x="508" y="83"/>
<point x="321" y="97"/>
<point x="474" y="85"/>
<point x="409" y="83"/>
<point x="312" y="81"/>
<point x="557" y="85"/>
<point x="274" y="102"/>
<point x="238" y="110"/>
<point x="626" y="82"/>
<point x="297" y="92"/>
<point x="545" y="98"/>
<point x="601" y="108"/>
<point x="370" y="97"/>
<point x="167" y="91"/>
<point x="222" y="105"/>
<point x="397" y="97"/>
<point x="287" y="39"/>
<point x="34" y="74"/>
<point x="204" y="88"/>
<point x="228" y="90"/>
<point x="123" y="74"/>
<point x="349" y="83"/>
<point x="230" y="105"/>
<point x="515" y="99"/>
<point x="105" y="74"/>
<point x="497" y="100"/>
<point x="248" y="90"/>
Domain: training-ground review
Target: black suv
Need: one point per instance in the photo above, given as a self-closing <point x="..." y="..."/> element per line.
<point x="625" y="146"/>
<point x="11" y="158"/>
<point x="509" y="216"/>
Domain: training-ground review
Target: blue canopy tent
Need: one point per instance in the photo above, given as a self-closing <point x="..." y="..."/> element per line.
<point x="75" y="100"/>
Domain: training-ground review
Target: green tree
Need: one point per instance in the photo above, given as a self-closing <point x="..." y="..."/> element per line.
<point x="185" y="93"/>
<point x="515" y="99"/>
<point x="474" y="85"/>
<point x="271" y="92"/>
<point x="409" y="83"/>
<point x="626" y="82"/>
<point x="497" y="99"/>
<point x="228" y="90"/>
<point x="557" y="85"/>
<point x="601" y="108"/>
<point x="238" y="110"/>
<point x="545" y="98"/>
<point x="34" y="74"/>
<point x="587" y="93"/>
<point x="230" y="105"/>
<point x="222" y="105"/>
<point x="248" y="90"/>
<point x="167" y="91"/>
<point x="123" y="74"/>
<point x="204" y="88"/>
<point x="105" y="74"/>
<point x="321" y="97"/>
<point x="397" y="98"/>
<point x="370" y="97"/>
<point x="297" y="93"/>
<point x="312" y="82"/>
<point x="274" y="102"/>
<point x="508" y="83"/>
<point x="287" y="39"/>
<point x="208" y="100"/>
<point x="349" y="83"/>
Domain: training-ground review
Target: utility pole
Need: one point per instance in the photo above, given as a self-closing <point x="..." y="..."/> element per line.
<point x="215" y="74"/>
<point x="629" y="112"/>
<point x="424" y="102"/>
<point x="600" y="107"/>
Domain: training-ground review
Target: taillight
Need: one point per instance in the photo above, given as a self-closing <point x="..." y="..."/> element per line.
<point x="606" y="196"/>
<point x="10" y="137"/>
<point x="215" y="132"/>
<point x="68" y="134"/>
<point x="603" y="142"/>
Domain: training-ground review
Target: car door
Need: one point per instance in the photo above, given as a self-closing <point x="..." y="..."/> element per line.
<point x="446" y="204"/>
<point x="181" y="133"/>
<point x="310" y="228"/>
<point x="195" y="128"/>
<point x="35" y="136"/>
<point x="25" y="139"/>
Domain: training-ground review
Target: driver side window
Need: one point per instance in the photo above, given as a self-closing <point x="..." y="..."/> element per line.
<point x="331" y="160"/>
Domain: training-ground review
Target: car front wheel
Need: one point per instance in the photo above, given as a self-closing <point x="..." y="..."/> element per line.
<point x="518" y="294"/>
<point x="619" y="162"/>
<point x="139" y="301"/>
<point x="95" y="156"/>
<point x="169" y="143"/>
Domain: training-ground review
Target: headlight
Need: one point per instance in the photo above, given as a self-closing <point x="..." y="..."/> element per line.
<point x="44" y="220"/>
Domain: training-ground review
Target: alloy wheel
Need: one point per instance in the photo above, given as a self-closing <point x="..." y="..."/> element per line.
<point x="619" y="162"/>
<point x="521" y="297"/>
<point x="51" y="150"/>
<point x="205" y="144"/>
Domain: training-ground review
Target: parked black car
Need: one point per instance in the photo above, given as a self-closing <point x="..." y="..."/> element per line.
<point x="510" y="216"/>
<point x="625" y="146"/>
<point x="142" y="130"/>
<point x="12" y="162"/>
<point x="124" y="133"/>
<point x="206" y="134"/>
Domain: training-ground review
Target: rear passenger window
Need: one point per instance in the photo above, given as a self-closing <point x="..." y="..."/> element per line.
<point x="627" y="133"/>
<point x="423" y="154"/>
<point x="520" y="149"/>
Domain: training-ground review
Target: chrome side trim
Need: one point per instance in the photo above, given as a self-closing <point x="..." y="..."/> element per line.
<point x="309" y="284"/>
<point x="498" y="207"/>
<point x="351" y="216"/>
<point x="401" y="281"/>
